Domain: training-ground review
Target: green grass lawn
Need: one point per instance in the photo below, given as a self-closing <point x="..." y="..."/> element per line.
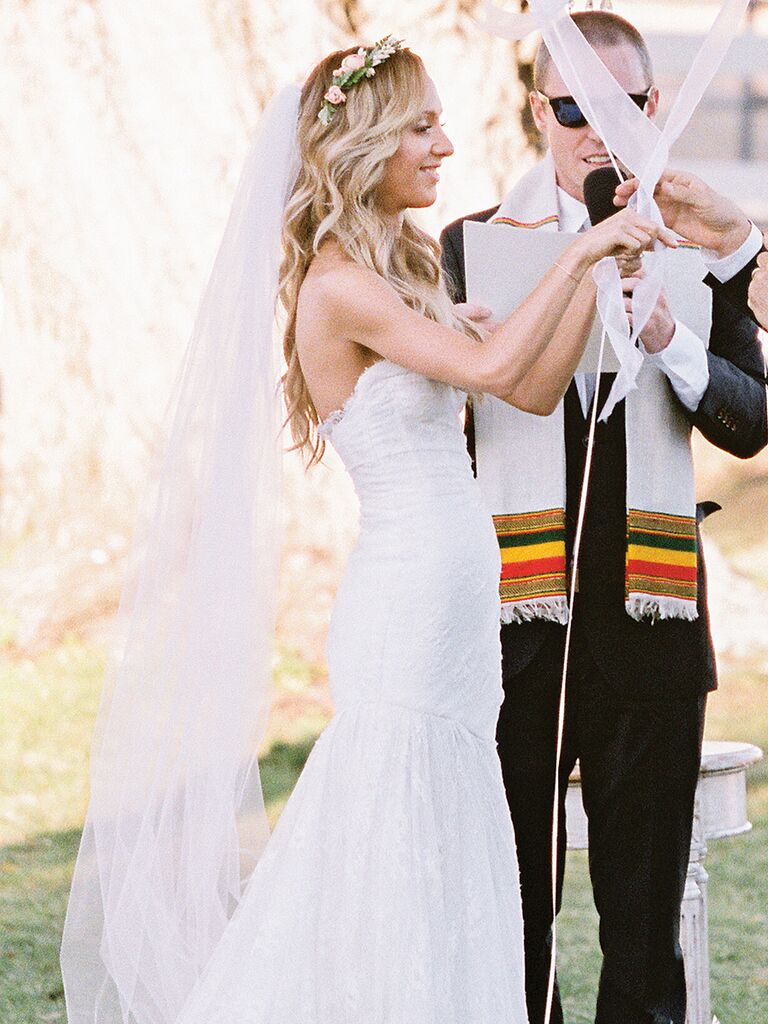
<point x="48" y="708"/>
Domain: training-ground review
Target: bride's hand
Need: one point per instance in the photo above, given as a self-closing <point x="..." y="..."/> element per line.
<point x="623" y="234"/>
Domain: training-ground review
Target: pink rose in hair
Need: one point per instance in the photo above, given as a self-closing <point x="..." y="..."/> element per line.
<point x="335" y="95"/>
<point x="353" y="63"/>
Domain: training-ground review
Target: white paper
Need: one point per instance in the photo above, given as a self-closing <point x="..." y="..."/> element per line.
<point x="504" y="264"/>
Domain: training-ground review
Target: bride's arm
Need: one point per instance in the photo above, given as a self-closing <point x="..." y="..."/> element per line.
<point x="350" y="301"/>
<point x="548" y="379"/>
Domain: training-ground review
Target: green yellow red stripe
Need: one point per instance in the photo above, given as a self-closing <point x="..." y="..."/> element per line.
<point x="532" y="555"/>
<point x="662" y="555"/>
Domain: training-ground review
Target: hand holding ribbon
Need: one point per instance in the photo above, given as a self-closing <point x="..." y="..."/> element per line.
<point x="630" y="137"/>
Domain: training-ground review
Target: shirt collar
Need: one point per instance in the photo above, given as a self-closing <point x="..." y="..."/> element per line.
<point x="573" y="214"/>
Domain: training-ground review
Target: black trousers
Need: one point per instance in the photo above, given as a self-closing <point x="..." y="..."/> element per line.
<point x="639" y="767"/>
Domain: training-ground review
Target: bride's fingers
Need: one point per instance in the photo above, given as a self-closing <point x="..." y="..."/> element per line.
<point x="627" y="234"/>
<point x="637" y="241"/>
<point x="647" y="234"/>
<point x="664" y="234"/>
<point x="632" y="238"/>
<point x="669" y="238"/>
<point x="629" y="265"/>
<point x="630" y="248"/>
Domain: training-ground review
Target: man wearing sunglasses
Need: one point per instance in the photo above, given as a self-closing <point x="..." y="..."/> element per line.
<point x="637" y="686"/>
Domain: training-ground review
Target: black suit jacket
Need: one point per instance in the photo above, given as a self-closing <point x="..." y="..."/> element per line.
<point x="666" y="659"/>
<point x="735" y="291"/>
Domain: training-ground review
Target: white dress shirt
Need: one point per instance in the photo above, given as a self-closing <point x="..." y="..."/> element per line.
<point x="684" y="360"/>
<point x="726" y="267"/>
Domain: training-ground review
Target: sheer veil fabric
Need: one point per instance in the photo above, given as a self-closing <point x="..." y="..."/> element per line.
<point x="176" y="820"/>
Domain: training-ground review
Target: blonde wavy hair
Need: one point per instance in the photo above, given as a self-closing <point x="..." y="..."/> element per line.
<point x="335" y="197"/>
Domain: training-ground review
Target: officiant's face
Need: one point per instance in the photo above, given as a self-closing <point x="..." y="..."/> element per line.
<point x="577" y="151"/>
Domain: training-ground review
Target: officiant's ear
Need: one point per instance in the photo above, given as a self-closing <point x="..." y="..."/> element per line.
<point x="537" y="111"/>
<point x="652" y="106"/>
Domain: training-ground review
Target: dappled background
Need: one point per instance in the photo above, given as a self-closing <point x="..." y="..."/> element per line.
<point x="122" y="131"/>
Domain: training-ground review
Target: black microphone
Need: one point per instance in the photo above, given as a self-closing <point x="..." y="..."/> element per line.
<point x="599" y="188"/>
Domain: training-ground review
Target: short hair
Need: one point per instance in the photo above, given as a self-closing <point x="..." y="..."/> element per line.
<point x="599" y="28"/>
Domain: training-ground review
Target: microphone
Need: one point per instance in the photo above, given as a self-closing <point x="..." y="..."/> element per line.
<point x="599" y="188"/>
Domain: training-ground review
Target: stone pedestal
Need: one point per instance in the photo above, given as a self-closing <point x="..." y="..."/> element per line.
<point x="720" y="811"/>
<point x="694" y="924"/>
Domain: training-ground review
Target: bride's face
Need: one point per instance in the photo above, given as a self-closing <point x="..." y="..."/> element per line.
<point x="411" y="173"/>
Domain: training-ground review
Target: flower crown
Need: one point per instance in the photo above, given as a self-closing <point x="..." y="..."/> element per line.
<point x="353" y="69"/>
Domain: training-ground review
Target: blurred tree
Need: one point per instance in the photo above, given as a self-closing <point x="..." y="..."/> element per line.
<point x="124" y="128"/>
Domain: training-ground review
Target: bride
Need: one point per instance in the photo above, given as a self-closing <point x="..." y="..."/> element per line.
<point x="388" y="893"/>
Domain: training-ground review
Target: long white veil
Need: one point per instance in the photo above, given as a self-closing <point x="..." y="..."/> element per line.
<point x="176" y="819"/>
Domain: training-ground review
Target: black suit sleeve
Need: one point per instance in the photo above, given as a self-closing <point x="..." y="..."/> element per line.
<point x="735" y="290"/>
<point x="452" y="244"/>
<point x="732" y="413"/>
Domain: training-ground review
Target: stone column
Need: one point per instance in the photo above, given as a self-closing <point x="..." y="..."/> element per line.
<point x="694" y="926"/>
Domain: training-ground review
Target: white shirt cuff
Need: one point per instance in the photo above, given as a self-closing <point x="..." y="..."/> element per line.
<point x="684" y="361"/>
<point x="726" y="267"/>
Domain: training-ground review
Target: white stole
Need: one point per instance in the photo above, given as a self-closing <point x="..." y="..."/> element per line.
<point x="521" y="470"/>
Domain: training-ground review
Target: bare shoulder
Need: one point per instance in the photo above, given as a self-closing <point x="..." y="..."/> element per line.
<point x="330" y="344"/>
<point x="336" y="288"/>
<point x="350" y="313"/>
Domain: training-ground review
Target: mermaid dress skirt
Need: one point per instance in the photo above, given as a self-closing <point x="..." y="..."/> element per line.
<point x="388" y="892"/>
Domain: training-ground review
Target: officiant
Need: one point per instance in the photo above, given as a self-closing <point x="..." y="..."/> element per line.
<point x="641" y="662"/>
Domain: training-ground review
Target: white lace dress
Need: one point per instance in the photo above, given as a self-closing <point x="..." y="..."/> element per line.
<point x="388" y="893"/>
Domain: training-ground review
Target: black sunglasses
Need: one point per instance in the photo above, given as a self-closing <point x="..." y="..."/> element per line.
<point x="568" y="112"/>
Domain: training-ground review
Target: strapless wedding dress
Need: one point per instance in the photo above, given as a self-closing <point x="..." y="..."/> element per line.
<point x="388" y="893"/>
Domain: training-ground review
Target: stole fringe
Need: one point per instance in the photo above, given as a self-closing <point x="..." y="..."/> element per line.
<point x="642" y="606"/>
<point x="551" y="609"/>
